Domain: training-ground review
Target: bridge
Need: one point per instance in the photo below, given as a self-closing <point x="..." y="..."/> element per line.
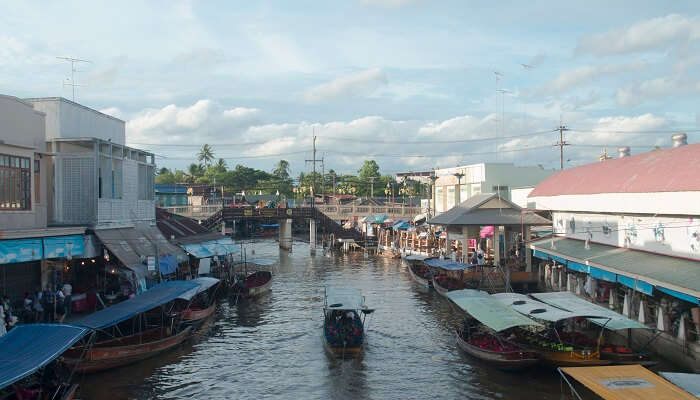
<point x="335" y="212"/>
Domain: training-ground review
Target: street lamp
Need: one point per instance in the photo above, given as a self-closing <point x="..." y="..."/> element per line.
<point x="433" y="178"/>
<point x="458" y="193"/>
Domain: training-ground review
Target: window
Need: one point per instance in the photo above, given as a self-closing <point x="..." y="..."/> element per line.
<point x="37" y="181"/>
<point x="15" y="183"/>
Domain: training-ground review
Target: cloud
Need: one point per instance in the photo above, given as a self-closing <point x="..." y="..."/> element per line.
<point x="651" y="34"/>
<point x="113" y="111"/>
<point x="584" y="74"/>
<point x="622" y="130"/>
<point x="352" y="85"/>
<point x="389" y="3"/>
<point x="654" y="89"/>
<point x="201" y="57"/>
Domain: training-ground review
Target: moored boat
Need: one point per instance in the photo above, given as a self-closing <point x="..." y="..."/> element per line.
<point x="419" y="272"/>
<point x="485" y="340"/>
<point x="199" y="303"/>
<point x="344" y="314"/>
<point x="254" y="284"/>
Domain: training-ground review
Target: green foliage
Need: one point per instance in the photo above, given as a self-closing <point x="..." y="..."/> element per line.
<point x="206" y="155"/>
<point x="281" y="170"/>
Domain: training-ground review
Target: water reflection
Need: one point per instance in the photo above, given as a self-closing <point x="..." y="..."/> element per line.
<point x="272" y="347"/>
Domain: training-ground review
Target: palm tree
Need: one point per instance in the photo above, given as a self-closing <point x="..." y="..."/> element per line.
<point x="195" y="171"/>
<point x="221" y="165"/>
<point x="282" y="169"/>
<point x="206" y="155"/>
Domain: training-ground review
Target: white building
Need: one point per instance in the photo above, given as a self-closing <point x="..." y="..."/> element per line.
<point x="450" y="190"/>
<point x="632" y="226"/>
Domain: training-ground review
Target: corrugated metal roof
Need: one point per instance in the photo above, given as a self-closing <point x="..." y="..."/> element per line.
<point x="469" y="213"/>
<point x="681" y="274"/>
<point x="669" y="170"/>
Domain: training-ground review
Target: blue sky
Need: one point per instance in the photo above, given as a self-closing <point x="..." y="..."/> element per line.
<point x="366" y="75"/>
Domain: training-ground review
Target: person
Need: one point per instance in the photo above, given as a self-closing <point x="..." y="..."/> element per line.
<point x="10" y="318"/>
<point x="68" y="304"/>
<point x="480" y="258"/>
<point x="49" y="298"/>
<point x="37" y="305"/>
<point x="28" y="306"/>
<point x="60" y="305"/>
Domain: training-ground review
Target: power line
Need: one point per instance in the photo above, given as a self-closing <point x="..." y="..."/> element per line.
<point x="650" y="132"/>
<point x="424" y="142"/>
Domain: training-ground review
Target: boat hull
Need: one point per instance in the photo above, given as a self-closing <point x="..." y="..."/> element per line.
<point x="417" y="278"/>
<point x="196" y="317"/>
<point x="443" y="290"/>
<point x="507" y="361"/>
<point x="108" y="355"/>
<point x="572" y="359"/>
<point x="256" y="284"/>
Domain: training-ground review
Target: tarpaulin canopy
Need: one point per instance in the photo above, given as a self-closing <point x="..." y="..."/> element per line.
<point x="152" y="298"/>
<point x="688" y="382"/>
<point x="270" y="225"/>
<point x="447" y="264"/>
<point x="376" y="219"/>
<point x="63" y="246"/>
<point x="570" y="302"/>
<point x="204" y="283"/>
<point x="218" y="247"/>
<point x="338" y="298"/>
<point x="20" y="250"/>
<point x="401" y="225"/>
<point x="167" y="264"/>
<point x="26" y="348"/>
<point x="490" y="312"/>
<point x="536" y="309"/>
<point x="623" y="382"/>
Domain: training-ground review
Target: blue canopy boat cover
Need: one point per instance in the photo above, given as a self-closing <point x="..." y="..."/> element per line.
<point x="152" y="298"/>
<point x="26" y="348"/>
<point x="447" y="264"/>
<point x="338" y="298"/>
<point x="204" y="282"/>
<point x="401" y="225"/>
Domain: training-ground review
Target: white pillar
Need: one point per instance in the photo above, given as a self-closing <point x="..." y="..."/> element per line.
<point x="548" y="275"/>
<point x="642" y="318"/>
<point x="496" y="245"/>
<point x="286" y="234"/>
<point x="465" y="244"/>
<point x="612" y="300"/>
<point x="312" y="235"/>
<point x="448" y="247"/>
<point x="626" y="306"/>
<point x="223" y="227"/>
<point x="580" y="286"/>
<point x="526" y="249"/>
<point x="561" y="279"/>
<point x="569" y="282"/>
<point x="681" y="328"/>
<point x="594" y="288"/>
<point x="660" y="320"/>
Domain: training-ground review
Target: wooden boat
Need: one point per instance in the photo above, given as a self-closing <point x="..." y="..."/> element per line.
<point x="253" y="285"/>
<point x="64" y="392"/>
<point x="199" y="303"/>
<point x="444" y="284"/>
<point x="421" y="274"/>
<point x="508" y="356"/>
<point x="196" y="316"/>
<point x="343" y="327"/>
<point x="124" y="350"/>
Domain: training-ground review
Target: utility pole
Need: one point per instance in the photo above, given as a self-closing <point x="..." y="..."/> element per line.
<point x="72" y="72"/>
<point x="313" y="176"/>
<point x="561" y="144"/>
<point x="371" y="187"/>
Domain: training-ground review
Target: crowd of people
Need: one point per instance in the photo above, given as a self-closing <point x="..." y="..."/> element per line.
<point x="49" y="305"/>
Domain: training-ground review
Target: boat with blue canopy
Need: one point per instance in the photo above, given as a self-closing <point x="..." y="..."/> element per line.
<point x="27" y="349"/>
<point x="344" y="314"/>
<point x="552" y="341"/>
<point x="127" y="332"/>
<point x="448" y="275"/>
<point x="487" y="339"/>
<point x="199" y="303"/>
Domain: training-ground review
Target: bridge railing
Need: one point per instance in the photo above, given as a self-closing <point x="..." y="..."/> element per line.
<point x="336" y="212"/>
<point x="194" y="211"/>
<point x="344" y="212"/>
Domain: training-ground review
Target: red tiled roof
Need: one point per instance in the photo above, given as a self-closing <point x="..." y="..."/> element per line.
<point x="670" y="170"/>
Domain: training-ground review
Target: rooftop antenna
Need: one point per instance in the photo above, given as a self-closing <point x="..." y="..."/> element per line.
<point x="73" y="61"/>
<point x="503" y="112"/>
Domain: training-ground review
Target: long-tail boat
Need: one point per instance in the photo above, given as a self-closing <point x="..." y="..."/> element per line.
<point x="548" y="342"/>
<point x="344" y="313"/>
<point x="257" y="283"/>
<point x="618" y="354"/>
<point x="486" y="340"/>
<point x="200" y="302"/>
<point x="146" y="334"/>
<point x="419" y="272"/>
<point x="448" y="275"/>
<point x="30" y="350"/>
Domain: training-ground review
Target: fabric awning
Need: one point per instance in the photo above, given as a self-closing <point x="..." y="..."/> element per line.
<point x="679" y="277"/>
<point x="64" y="246"/>
<point x="622" y="382"/>
<point x="218" y="247"/>
<point x="447" y="264"/>
<point x="490" y="311"/>
<point x="344" y="299"/>
<point x="570" y="302"/>
<point x="26" y="348"/>
<point x="152" y="298"/>
<point x="203" y="283"/>
<point x="21" y="250"/>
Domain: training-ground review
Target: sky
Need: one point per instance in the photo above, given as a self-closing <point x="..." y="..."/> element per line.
<point x="412" y="84"/>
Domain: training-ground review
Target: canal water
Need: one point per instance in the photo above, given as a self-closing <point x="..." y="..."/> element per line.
<point x="272" y="348"/>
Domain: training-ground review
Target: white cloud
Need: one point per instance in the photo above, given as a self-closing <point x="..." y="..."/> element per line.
<point x="638" y="93"/>
<point x="240" y="112"/>
<point x="651" y="34"/>
<point x="352" y="85"/>
<point x="611" y="131"/>
<point x="113" y="111"/>
<point x="581" y="75"/>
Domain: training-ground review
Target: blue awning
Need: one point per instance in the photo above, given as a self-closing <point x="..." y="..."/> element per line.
<point x="152" y="298"/>
<point x="401" y="225"/>
<point x="679" y="295"/>
<point x="26" y="348"/>
<point x="574" y="266"/>
<point x="637" y="285"/>
<point x="218" y="247"/>
<point x="376" y="219"/>
<point x="447" y="264"/>
<point x="603" y="274"/>
<point x="167" y="264"/>
<point x="545" y="256"/>
<point x="270" y="225"/>
<point x="20" y="250"/>
<point x="64" y="246"/>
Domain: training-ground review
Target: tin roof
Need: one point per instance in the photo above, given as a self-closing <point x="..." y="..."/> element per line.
<point x="668" y="170"/>
<point x="475" y="211"/>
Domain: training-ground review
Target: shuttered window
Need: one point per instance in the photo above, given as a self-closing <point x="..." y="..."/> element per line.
<point x="15" y="183"/>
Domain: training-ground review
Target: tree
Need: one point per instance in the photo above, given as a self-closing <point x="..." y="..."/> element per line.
<point x="206" y="155"/>
<point x="220" y="165"/>
<point x="195" y="171"/>
<point x="165" y="177"/>
<point x="281" y="170"/>
<point x="163" y="171"/>
<point x="368" y="169"/>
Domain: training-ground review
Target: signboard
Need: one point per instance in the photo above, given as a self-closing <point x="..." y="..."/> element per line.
<point x="268" y="212"/>
<point x="151" y="263"/>
<point x="248" y="212"/>
<point x="626" y="383"/>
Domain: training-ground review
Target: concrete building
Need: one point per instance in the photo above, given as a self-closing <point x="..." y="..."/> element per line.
<point x="26" y="241"/>
<point x="454" y="185"/>
<point x="626" y="232"/>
